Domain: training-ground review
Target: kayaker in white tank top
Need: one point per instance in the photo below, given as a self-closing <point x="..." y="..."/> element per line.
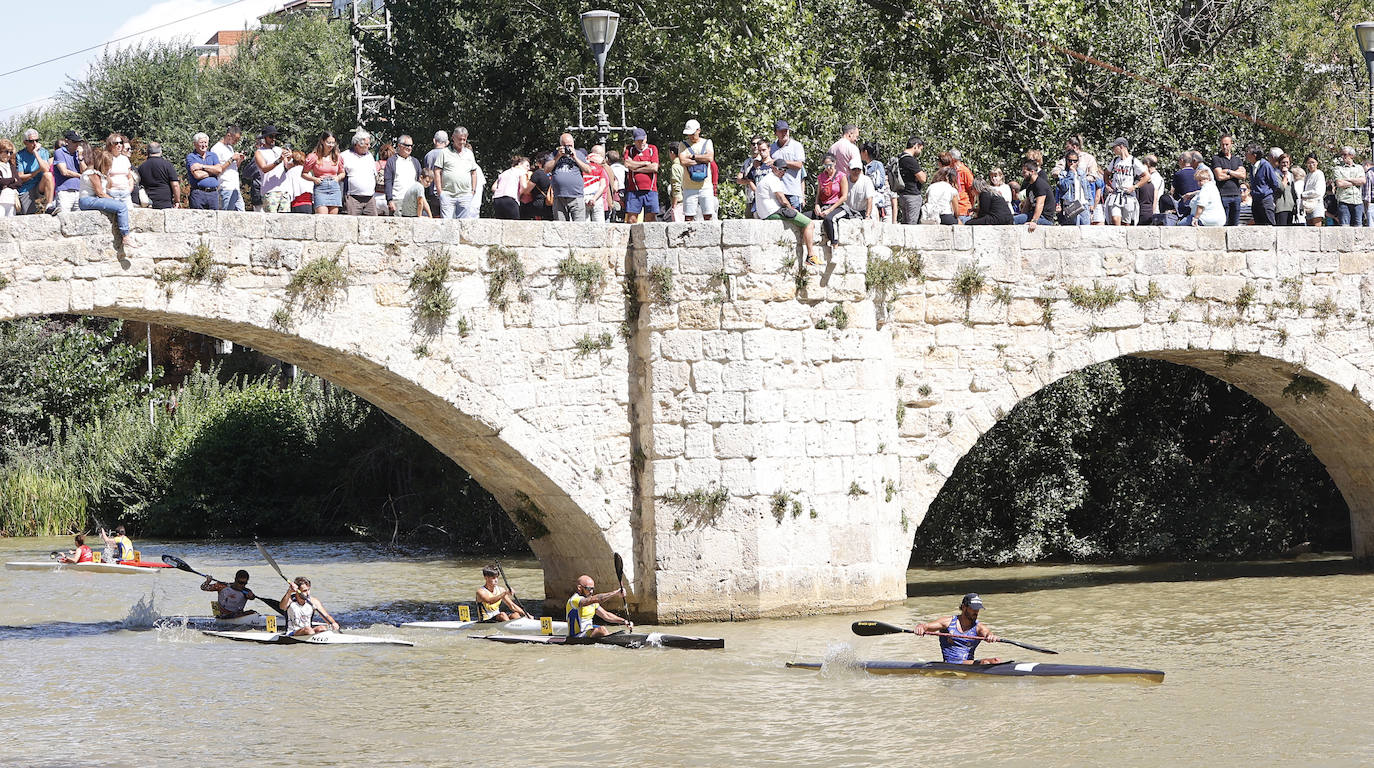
<point x="300" y="607"/>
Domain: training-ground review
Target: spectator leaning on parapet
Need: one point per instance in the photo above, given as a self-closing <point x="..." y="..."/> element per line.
<point x="230" y="194"/>
<point x="272" y="164"/>
<point x="641" y="182"/>
<point x="160" y="179"/>
<point x="204" y="167"/>
<point x="698" y="192"/>
<point x="1039" y="202"/>
<point x="1228" y="169"/>
<point x="566" y="167"/>
<point x="34" y="166"/>
<point x="67" y="165"/>
<point x="360" y="175"/>
<point x="791" y="155"/>
<point x="1348" y="178"/>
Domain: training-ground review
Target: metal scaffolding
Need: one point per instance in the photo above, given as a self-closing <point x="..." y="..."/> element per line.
<point x="369" y="19"/>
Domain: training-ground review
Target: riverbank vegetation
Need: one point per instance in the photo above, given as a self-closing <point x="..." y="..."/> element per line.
<point x="1131" y="460"/>
<point x="220" y="456"/>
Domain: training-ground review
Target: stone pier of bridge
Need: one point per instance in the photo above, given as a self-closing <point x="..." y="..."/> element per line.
<point x="754" y="439"/>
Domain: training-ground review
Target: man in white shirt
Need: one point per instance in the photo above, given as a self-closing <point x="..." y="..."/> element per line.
<point x="863" y="196"/>
<point x="846" y="148"/>
<point x="361" y="176"/>
<point x="455" y="174"/>
<point x="271" y="161"/>
<point x="771" y="201"/>
<point x="789" y="153"/>
<point x="230" y="196"/>
<point x="698" y="194"/>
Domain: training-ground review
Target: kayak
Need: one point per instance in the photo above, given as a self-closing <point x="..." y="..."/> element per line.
<point x="622" y="639"/>
<point x="1003" y="669"/>
<point x="518" y="626"/>
<point x="251" y="620"/>
<point x="144" y="564"/>
<point x="322" y="638"/>
<point x="53" y="565"/>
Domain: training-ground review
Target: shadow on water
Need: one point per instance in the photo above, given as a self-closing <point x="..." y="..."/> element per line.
<point x="987" y="580"/>
<point x="61" y="629"/>
<point x="398" y="612"/>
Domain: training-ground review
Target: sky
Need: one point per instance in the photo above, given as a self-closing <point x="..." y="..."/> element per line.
<point x="87" y="23"/>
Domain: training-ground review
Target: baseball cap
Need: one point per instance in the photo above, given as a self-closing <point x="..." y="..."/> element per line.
<point x="973" y="601"/>
<point x="269" y="130"/>
<point x="71" y="135"/>
<point x="856" y="164"/>
<point x="640" y="134"/>
<point x="1121" y="142"/>
<point x="781" y="125"/>
<point x="692" y="127"/>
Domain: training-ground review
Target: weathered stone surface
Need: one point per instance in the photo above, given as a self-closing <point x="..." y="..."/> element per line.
<point x="735" y="380"/>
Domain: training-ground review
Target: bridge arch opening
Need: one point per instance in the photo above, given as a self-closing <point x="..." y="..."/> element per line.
<point x="463" y="421"/>
<point x="1160" y="455"/>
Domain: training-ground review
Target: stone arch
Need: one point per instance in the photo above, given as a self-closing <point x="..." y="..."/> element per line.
<point x="544" y="482"/>
<point x="1327" y="407"/>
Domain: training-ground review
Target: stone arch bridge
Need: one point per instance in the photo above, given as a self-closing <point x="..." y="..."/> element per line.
<point x="754" y="441"/>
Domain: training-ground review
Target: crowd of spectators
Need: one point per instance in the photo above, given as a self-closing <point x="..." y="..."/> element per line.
<point x="638" y="182"/>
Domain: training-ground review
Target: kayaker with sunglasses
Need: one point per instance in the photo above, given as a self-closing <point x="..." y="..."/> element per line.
<point x="300" y="609"/>
<point x="961" y="633"/>
<point x="585" y="605"/>
<point x="231" y="599"/>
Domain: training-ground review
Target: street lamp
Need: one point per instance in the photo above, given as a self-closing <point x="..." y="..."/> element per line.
<point x="1364" y="37"/>
<point x="599" y="27"/>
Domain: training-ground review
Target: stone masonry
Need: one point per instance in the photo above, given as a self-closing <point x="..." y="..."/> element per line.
<point x="753" y="440"/>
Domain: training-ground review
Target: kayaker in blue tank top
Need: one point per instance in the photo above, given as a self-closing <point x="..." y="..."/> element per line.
<point x="961" y="633"/>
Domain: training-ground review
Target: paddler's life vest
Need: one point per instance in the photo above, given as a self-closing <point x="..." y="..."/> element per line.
<point x="579" y="616"/>
<point x="83" y="554"/>
<point x="959" y="649"/>
<point x="487" y="610"/>
<point x="232" y="600"/>
<point x="123" y="548"/>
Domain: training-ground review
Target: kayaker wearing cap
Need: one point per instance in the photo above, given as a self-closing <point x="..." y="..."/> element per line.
<point x="300" y="609"/>
<point x="490" y="596"/>
<point x="231" y="599"/>
<point x="584" y="605"/>
<point x="117" y="547"/>
<point x="82" y="553"/>
<point x="967" y="632"/>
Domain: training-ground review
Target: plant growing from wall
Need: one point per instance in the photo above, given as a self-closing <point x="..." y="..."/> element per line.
<point x="588" y="276"/>
<point x="507" y="271"/>
<point x="587" y="344"/>
<point x="1302" y="387"/>
<point x="433" y="302"/>
<point x="703" y="505"/>
<point x="968" y="282"/>
<point x="528" y="517"/>
<point x="1094" y="299"/>
<point x="661" y="283"/>
<point x="317" y="284"/>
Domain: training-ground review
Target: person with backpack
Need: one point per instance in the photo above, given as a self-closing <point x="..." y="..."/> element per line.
<point x="876" y="173"/>
<point x="906" y="178"/>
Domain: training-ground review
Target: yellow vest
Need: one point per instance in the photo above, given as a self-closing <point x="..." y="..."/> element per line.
<point x="579" y="616"/>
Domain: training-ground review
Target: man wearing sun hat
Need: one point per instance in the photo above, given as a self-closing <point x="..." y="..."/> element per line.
<point x="698" y="191"/>
<point x="961" y="633"/>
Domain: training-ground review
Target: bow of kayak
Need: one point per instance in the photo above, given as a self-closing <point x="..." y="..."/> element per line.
<point x="53" y="565"/>
<point x="622" y="639"/>
<point x="1004" y="669"/>
<point x="321" y="638"/>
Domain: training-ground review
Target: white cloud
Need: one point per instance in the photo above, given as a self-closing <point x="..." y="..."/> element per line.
<point x="209" y="17"/>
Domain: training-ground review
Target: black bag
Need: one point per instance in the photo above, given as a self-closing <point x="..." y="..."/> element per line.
<point x="1071" y="209"/>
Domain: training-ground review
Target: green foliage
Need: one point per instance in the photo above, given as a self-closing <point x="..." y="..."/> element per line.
<point x="1152" y="295"/>
<point x="1245" y="297"/>
<point x="703" y="504"/>
<point x="199" y="263"/>
<point x="968" y="282"/>
<point x="318" y="282"/>
<point x="1301" y="387"/>
<point x="433" y="299"/>
<point x="587" y="344"/>
<point x="1001" y="294"/>
<point x="839" y="316"/>
<point x="855" y="491"/>
<point x="661" y="283"/>
<point x="884" y="275"/>
<point x="1134" y="459"/>
<point x="1096" y="299"/>
<point x="1325" y="307"/>
<point x="589" y="277"/>
<point x="506" y="270"/>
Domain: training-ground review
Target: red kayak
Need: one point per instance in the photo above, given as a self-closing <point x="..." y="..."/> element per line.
<point x="144" y="564"/>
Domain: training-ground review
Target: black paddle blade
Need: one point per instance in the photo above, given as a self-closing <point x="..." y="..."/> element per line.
<point x="276" y="604"/>
<point x="180" y="564"/>
<point x="1027" y="646"/>
<point x="619" y="568"/>
<point x="874" y="628"/>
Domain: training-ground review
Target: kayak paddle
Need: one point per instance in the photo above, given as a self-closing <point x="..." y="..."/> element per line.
<point x="506" y="581"/>
<point x="181" y="565"/>
<point x="872" y="628"/>
<point x="273" y="562"/>
<point x="620" y="577"/>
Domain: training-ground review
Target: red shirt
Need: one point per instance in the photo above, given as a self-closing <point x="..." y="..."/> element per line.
<point x="641" y="181"/>
<point x="83" y="554"/>
<point x="963" y="204"/>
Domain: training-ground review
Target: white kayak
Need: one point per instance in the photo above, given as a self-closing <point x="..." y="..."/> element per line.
<point x="251" y="620"/>
<point x="524" y="626"/>
<point x="53" y="565"/>
<point x="322" y="638"/>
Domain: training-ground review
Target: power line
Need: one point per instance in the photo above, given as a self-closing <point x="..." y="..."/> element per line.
<point x="119" y="39"/>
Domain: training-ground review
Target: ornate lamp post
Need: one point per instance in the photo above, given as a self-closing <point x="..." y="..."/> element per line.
<point x="599" y="27"/>
<point x="1364" y="36"/>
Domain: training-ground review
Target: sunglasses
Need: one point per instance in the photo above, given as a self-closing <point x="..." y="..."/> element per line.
<point x="30" y="141"/>
<point x="407" y="145"/>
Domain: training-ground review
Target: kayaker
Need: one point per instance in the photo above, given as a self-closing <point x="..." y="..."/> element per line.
<point x="490" y="597"/>
<point x="967" y="632"/>
<point x="82" y="553"/>
<point x="232" y="598"/>
<point x="300" y="609"/>
<point x="586" y="604"/>
<point x="117" y="547"/>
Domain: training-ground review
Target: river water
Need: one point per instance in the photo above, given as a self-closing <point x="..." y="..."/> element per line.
<point x="1266" y="663"/>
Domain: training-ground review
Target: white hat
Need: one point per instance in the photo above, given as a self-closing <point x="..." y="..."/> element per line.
<point x="855" y="164"/>
<point x="692" y="127"/>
